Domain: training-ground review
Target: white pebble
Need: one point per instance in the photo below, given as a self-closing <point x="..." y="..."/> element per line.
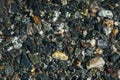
<point x="117" y="23"/>
<point x="114" y="49"/>
<point x="119" y="74"/>
<point x="107" y="30"/>
<point x="10" y="48"/>
<point x="105" y="13"/>
<point x="93" y="42"/>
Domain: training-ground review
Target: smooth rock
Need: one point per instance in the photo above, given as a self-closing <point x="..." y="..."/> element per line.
<point x="59" y="55"/>
<point x="97" y="62"/>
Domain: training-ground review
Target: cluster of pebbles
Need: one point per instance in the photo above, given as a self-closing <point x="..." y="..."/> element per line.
<point x="60" y="40"/>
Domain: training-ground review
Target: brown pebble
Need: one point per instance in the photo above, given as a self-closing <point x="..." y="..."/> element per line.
<point x="108" y="23"/>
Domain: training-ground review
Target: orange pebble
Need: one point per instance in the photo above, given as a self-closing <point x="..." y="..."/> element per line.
<point x="36" y="19"/>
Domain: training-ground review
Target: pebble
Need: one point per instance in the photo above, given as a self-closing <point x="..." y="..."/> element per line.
<point x="64" y="2"/>
<point x="85" y="32"/>
<point x="118" y="74"/>
<point x="93" y="42"/>
<point x="34" y="58"/>
<point x="114" y="49"/>
<point x="2" y="67"/>
<point x="89" y="78"/>
<point x="117" y="23"/>
<point x="107" y="30"/>
<point x="102" y="44"/>
<point x="115" y="32"/>
<point x="59" y="55"/>
<point x="36" y="19"/>
<point x="97" y="62"/>
<point x="105" y="13"/>
<point x="56" y="15"/>
<point x="108" y="23"/>
<point x="17" y="43"/>
<point x="99" y="51"/>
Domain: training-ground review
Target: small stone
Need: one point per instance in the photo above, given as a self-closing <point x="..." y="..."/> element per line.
<point x="93" y="9"/>
<point x="117" y="23"/>
<point x="97" y="62"/>
<point x="89" y="78"/>
<point x="64" y="2"/>
<point x="108" y="23"/>
<point x="1" y="33"/>
<point x="115" y="32"/>
<point x="93" y="42"/>
<point x="107" y="30"/>
<point x="34" y="58"/>
<point x="99" y="51"/>
<point x="26" y="20"/>
<point x="56" y="15"/>
<point x="78" y="63"/>
<point x="114" y="49"/>
<point x="118" y="74"/>
<point x="105" y="13"/>
<point x="70" y="48"/>
<point x="17" y="43"/>
<point x="29" y="29"/>
<point x="84" y="32"/>
<point x="102" y="44"/>
<point x="33" y="69"/>
<point x="36" y="19"/>
<point x="68" y="14"/>
<point x="59" y="55"/>
<point x="2" y="67"/>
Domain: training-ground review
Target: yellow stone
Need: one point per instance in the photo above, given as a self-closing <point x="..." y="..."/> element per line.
<point x="114" y="32"/>
<point x="2" y="67"/>
<point x="59" y="55"/>
<point x="33" y="69"/>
